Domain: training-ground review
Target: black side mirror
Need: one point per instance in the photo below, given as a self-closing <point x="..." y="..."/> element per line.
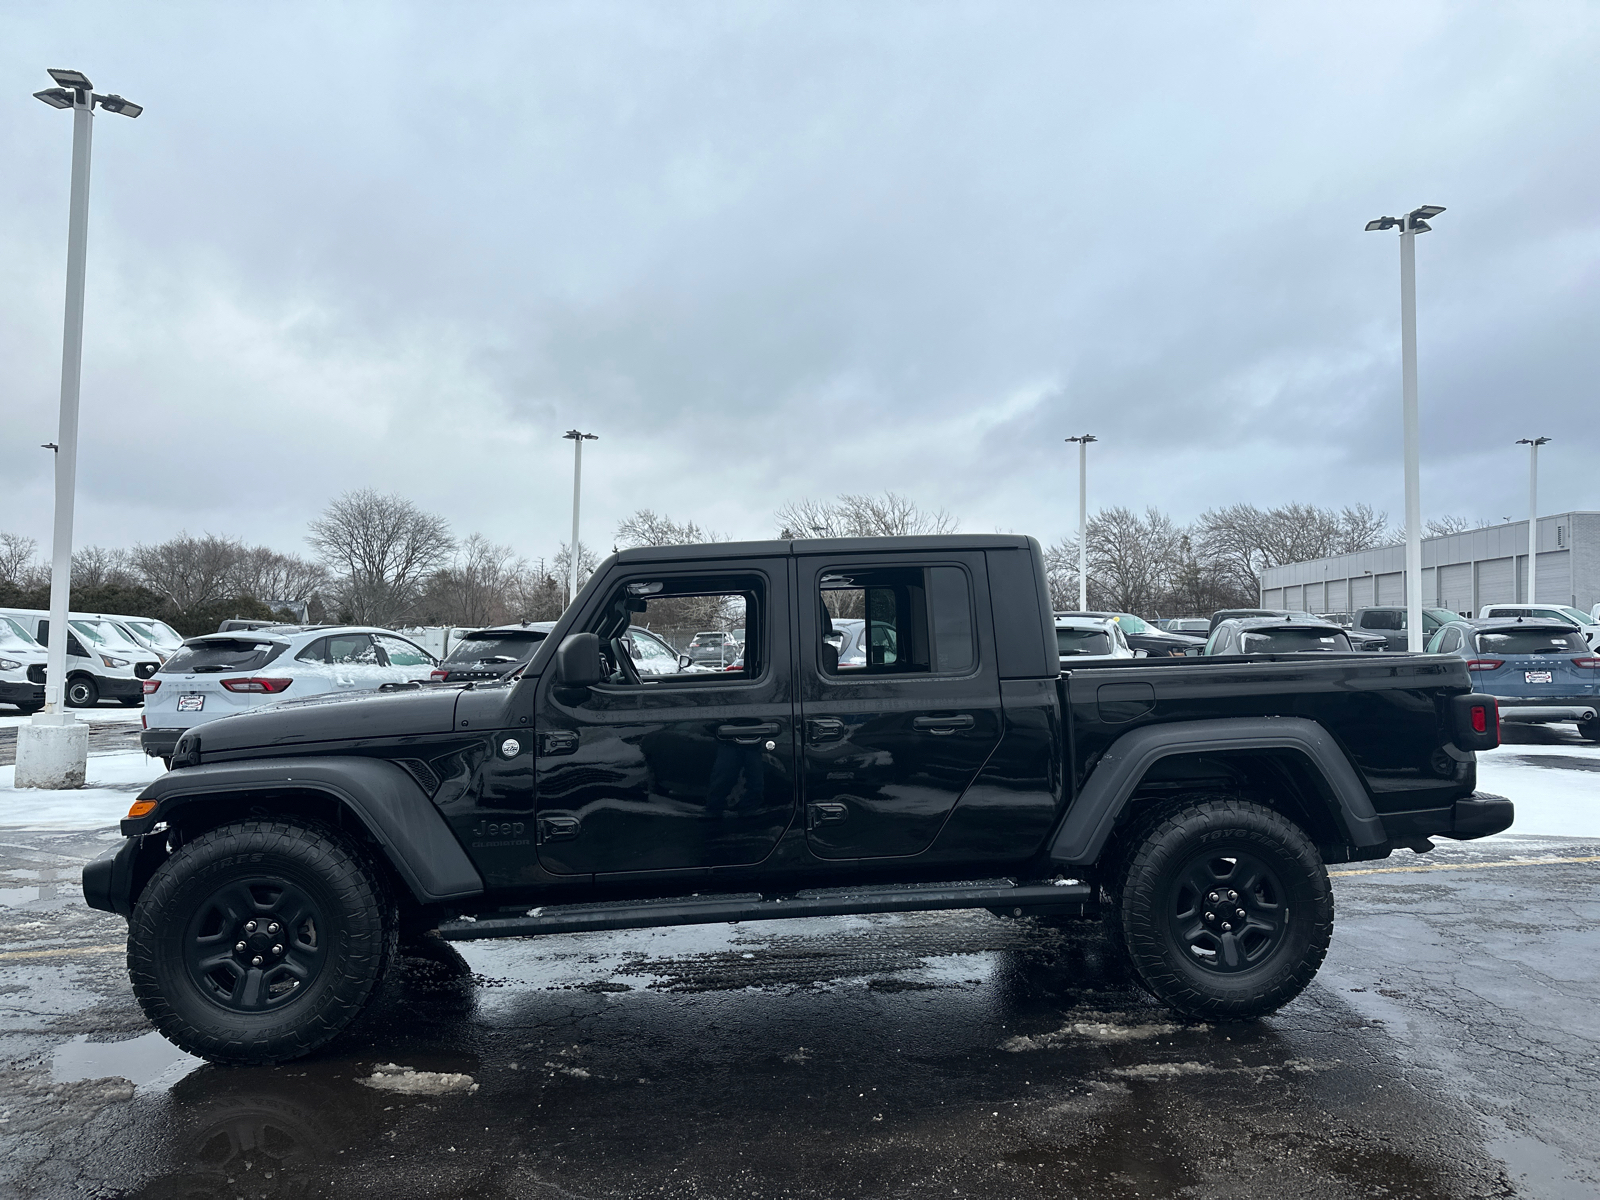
<point x="577" y="662"/>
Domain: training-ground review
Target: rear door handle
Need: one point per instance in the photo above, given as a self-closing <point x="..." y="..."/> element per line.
<point x="824" y="729"/>
<point x="943" y="724"/>
<point x="747" y="735"/>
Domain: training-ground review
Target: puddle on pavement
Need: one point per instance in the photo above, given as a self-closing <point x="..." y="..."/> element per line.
<point x="149" y="1062"/>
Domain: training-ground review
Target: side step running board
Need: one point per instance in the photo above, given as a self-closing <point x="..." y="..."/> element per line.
<point x="1064" y="898"/>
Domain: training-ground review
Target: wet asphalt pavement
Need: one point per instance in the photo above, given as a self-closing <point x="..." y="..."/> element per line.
<point x="1450" y="1047"/>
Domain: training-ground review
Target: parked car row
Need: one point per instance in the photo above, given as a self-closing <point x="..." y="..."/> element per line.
<point x="108" y="657"/>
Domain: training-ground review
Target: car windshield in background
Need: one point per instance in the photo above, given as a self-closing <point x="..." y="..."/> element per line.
<point x="1133" y="624"/>
<point x="223" y="654"/>
<point x="104" y="635"/>
<point x="1083" y="641"/>
<point x="157" y="631"/>
<point x="1532" y="641"/>
<point x="493" y="649"/>
<point x="14" y="637"/>
<point x="1289" y="641"/>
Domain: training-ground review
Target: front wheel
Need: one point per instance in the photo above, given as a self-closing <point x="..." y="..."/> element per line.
<point x="1225" y="910"/>
<point x="259" y="941"/>
<point x="82" y="692"/>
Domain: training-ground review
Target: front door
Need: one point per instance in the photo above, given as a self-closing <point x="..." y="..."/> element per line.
<point x="688" y="768"/>
<point x="900" y="701"/>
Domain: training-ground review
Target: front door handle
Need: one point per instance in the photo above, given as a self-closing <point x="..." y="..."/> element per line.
<point x="557" y="829"/>
<point x="824" y="729"/>
<point x="747" y="735"/>
<point x="943" y="724"/>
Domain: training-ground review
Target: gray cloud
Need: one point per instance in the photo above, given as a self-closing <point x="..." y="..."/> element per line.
<point x="787" y="250"/>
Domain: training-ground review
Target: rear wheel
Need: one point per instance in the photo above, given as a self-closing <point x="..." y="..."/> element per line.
<point x="259" y="941"/>
<point x="1224" y="909"/>
<point x="82" y="692"/>
<point x="1590" y="729"/>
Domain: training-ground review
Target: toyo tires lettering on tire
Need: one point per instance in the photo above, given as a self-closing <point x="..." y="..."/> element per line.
<point x="259" y="941"/>
<point x="1225" y="909"/>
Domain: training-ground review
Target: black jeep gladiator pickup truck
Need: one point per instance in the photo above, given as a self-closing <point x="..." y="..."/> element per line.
<point x="269" y="876"/>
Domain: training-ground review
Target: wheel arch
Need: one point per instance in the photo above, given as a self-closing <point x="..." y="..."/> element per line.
<point x="373" y="800"/>
<point x="1290" y="763"/>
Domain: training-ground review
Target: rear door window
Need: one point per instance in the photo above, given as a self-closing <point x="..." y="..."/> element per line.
<point x="402" y="653"/>
<point x="914" y="620"/>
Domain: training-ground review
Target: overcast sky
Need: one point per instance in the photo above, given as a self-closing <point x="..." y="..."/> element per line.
<point x="775" y="251"/>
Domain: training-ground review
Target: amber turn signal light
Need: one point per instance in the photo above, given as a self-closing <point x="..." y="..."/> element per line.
<point x="141" y="808"/>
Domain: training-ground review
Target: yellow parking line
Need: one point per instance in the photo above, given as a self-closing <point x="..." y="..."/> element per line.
<point x="1469" y="866"/>
<point x="59" y="952"/>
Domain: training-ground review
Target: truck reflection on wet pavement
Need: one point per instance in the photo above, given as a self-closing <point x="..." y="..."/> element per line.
<point x="924" y="1054"/>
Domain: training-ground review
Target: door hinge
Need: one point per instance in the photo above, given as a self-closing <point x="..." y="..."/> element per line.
<point x="824" y="729"/>
<point x="557" y="741"/>
<point x="557" y="829"/>
<point x="826" y="813"/>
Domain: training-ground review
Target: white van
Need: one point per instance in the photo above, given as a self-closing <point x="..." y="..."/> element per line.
<point x="21" y="668"/>
<point x="102" y="662"/>
<point x="1588" y="624"/>
<point x="152" y="634"/>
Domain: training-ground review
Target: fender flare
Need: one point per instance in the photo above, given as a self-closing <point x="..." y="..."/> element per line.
<point x="415" y="837"/>
<point x="1088" y="822"/>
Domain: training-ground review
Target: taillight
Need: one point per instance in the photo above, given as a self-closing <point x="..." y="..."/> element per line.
<point x="256" y="685"/>
<point x="151" y="686"/>
<point x="438" y="676"/>
<point x="1480" y="718"/>
<point x="1485" y="664"/>
<point x="1591" y="663"/>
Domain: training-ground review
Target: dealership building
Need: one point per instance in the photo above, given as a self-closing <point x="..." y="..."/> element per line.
<point x="1460" y="571"/>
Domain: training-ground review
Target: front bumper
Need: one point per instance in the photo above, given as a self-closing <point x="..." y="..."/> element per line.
<point x="23" y="693"/>
<point x="159" y="743"/>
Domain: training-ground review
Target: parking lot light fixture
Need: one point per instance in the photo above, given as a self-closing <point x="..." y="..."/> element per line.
<point x="52" y="751"/>
<point x="1533" y="445"/>
<point x="1413" y="223"/>
<point x="577" y="438"/>
<point x="1083" y="440"/>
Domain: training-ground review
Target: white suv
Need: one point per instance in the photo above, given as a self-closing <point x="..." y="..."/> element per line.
<point x="220" y="674"/>
<point x="1586" y="622"/>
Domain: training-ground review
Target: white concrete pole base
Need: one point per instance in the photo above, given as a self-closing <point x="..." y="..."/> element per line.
<point x="52" y="756"/>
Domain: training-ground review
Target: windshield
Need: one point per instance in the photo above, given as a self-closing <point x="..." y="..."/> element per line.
<point x="222" y="654"/>
<point x="1582" y="618"/>
<point x="1290" y="641"/>
<point x="15" y="637"/>
<point x="494" y="648"/>
<point x="1133" y="624"/>
<point x="158" y="632"/>
<point x="105" y="634"/>
<point x="1082" y="641"/>
<point x="1532" y="641"/>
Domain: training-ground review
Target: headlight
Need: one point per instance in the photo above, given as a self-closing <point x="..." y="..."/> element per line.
<point x="113" y="662"/>
<point x="8" y="664"/>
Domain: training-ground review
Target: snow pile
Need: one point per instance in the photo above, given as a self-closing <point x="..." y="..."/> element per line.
<point x="1087" y="1031"/>
<point x="112" y="782"/>
<point x="408" y="1081"/>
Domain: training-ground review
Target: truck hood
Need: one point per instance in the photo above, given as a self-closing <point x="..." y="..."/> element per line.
<point x="331" y="717"/>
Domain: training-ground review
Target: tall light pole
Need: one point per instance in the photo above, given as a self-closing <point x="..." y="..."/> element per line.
<point x="1413" y="223"/>
<point x="54" y="752"/>
<point x="577" y="439"/>
<point x="1083" y="441"/>
<point x="1533" y="445"/>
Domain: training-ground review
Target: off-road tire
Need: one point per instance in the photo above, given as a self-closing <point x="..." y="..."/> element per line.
<point x="82" y="692"/>
<point x="1173" y="935"/>
<point x="188" y="923"/>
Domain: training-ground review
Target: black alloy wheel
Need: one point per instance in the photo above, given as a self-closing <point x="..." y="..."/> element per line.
<point x="1223" y="907"/>
<point x="82" y="692"/>
<point x="259" y="941"/>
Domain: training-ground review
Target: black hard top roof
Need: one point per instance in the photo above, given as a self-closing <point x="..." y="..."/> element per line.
<point x="865" y="545"/>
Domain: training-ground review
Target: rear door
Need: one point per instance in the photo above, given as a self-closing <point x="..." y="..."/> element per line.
<point x="891" y="742"/>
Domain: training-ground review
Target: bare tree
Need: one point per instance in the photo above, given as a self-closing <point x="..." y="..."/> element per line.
<point x="476" y="589"/>
<point x="97" y="567"/>
<point x="380" y="549"/>
<point x="1241" y="540"/>
<point x="18" y="569"/>
<point x="266" y="575"/>
<point x="189" y="571"/>
<point x="1449" y="523"/>
<point x="537" y="592"/>
<point x="854" y="515"/>
<point x="648" y="528"/>
<point x="562" y="564"/>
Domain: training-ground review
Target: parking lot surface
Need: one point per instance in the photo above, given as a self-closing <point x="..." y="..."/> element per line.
<point x="1450" y="1047"/>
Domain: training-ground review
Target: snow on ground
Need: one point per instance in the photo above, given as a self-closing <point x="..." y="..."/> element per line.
<point x="10" y="718"/>
<point x="113" y="781"/>
<point x="1556" y="788"/>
